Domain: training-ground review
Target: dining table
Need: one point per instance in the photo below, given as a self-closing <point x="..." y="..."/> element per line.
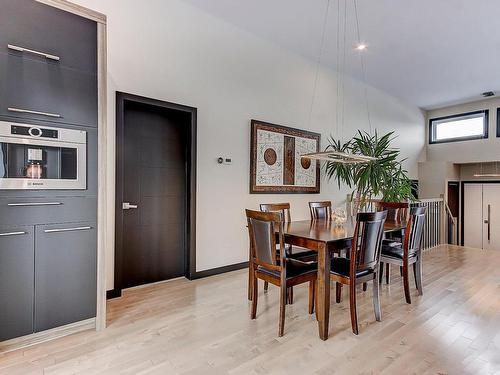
<point x="327" y="238"/>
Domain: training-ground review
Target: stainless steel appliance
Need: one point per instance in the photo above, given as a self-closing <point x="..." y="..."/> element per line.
<point x="42" y="157"/>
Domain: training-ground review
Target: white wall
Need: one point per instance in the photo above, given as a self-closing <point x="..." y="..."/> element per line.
<point x="172" y="51"/>
<point x="480" y="150"/>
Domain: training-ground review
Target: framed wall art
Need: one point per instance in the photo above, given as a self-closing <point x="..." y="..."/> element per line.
<point x="275" y="163"/>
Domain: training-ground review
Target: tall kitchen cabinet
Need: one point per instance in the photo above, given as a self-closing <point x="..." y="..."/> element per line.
<point x="48" y="236"/>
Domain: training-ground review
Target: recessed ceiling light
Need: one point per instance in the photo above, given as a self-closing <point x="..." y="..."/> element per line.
<point x="361" y="46"/>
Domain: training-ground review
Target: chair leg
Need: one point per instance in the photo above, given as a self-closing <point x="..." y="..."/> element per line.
<point x="266" y="286"/>
<point x="376" y="299"/>
<point x="255" y="292"/>
<point x="316" y="298"/>
<point x="388" y="273"/>
<point x="338" y="292"/>
<point x="415" y="274"/>
<point x="352" y="303"/>
<point x="283" y="298"/>
<point x="365" y="287"/>
<point x="381" y="272"/>
<point x="312" y="292"/>
<point x="290" y="296"/>
<point x="418" y="272"/>
<point x="406" y="283"/>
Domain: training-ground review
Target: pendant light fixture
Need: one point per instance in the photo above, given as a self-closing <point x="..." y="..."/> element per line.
<point x="333" y="155"/>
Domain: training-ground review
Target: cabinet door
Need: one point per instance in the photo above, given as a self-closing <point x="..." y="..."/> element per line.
<point x="65" y="274"/>
<point x="31" y="89"/>
<point x="42" y="28"/>
<point x="491" y="216"/>
<point x="16" y="281"/>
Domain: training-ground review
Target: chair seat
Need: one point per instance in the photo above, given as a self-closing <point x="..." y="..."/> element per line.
<point x="294" y="268"/>
<point x="391" y="242"/>
<point x="341" y="266"/>
<point x="394" y="251"/>
<point x="303" y="254"/>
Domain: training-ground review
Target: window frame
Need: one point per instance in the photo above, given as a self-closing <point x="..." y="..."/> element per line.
<point x="498" y="122"/>
<point x="484" y="112"/>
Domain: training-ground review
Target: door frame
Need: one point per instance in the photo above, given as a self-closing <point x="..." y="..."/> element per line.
<point x="462" y="200"/>
<point x="190" y="234"/>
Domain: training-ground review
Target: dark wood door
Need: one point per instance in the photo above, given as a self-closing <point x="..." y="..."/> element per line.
<point x="154" y="184"/>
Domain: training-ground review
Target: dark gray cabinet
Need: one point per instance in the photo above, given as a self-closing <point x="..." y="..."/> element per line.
<point x="65" y="277"/>
<point x="39" y="27"/>
<point x="16" y="281"/>
<point x="48" y="238"/>
<point x="31" y="89"/>
<point x="51" y="209"/>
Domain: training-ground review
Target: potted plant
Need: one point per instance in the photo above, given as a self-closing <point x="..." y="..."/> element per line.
<point x="383" y="177"/>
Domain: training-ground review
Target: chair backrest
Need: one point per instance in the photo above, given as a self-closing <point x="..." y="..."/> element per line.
<point x="284" y="208"/>
<point x="320" y="210"/>
<point x="414" y="231"/>
<point x="262" y="232"/>
<point x="367" y="241"/>
<point x="396" y="211"/>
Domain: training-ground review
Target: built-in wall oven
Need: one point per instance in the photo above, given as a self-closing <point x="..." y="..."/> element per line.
<point x="42" y="157"/>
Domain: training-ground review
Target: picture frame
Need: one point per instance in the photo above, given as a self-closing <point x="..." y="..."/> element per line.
<point x="275" y="163"/>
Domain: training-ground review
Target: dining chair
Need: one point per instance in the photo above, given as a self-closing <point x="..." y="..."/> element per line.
<point x="283" y="272"/>
<point x="408" y="252"/>
<point x="302" y="254"/>
<point x="396" y="211"/>
<point x="320" y="210"/>
<point x="363" y="263"/>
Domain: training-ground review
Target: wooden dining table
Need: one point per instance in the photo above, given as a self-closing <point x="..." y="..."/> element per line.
<point x="326" y="238"/>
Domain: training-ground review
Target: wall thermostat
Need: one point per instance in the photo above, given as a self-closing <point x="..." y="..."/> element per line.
<point x="223" y="160"/>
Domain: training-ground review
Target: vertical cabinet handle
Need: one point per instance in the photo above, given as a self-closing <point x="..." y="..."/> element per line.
<point x="33" y="52"/>
<point x="489" y="222"/>
<point x="12" y="234"/>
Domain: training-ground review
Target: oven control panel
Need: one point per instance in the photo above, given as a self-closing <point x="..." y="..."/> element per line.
<point x="33" y="131"/>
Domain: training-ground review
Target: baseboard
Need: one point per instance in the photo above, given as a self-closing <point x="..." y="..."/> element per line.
<point x="51" y="334"/>
<point x="113" y="293"/>
<point x="218" y="270"/>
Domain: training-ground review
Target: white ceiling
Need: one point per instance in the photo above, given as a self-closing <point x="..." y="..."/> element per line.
<point x="429" y="53"/>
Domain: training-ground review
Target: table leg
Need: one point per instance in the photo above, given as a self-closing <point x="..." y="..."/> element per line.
<point x="323" y="291"/>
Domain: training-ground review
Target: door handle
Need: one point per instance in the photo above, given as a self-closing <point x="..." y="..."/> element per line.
<point x="34" y="204"/>
<point x="128" y="206"/>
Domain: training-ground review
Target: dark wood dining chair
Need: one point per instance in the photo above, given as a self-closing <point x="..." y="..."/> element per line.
<point x="320" y="210"/>
<point x="408" y="252"/>
<point x="396" y="211"/>
<point x="283" y="272"/>
<point x="363" y="263"/>
<point x="293" y="252"/>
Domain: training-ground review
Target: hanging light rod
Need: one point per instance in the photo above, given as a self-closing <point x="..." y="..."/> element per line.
<point x="338" y="157"/>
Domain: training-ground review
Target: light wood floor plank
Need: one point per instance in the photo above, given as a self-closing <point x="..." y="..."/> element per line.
<point x="203" y="327"/>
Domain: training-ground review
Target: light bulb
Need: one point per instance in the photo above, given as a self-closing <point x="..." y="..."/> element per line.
<point x="361" y="46"/>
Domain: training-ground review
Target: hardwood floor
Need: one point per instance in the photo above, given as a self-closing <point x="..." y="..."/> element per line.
<point x="203" y="327"/>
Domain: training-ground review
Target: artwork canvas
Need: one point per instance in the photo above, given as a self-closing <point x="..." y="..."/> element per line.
<point x="275" y="162"/>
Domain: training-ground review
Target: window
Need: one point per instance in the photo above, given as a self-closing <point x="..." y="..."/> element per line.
<point x="463" y="127"/>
